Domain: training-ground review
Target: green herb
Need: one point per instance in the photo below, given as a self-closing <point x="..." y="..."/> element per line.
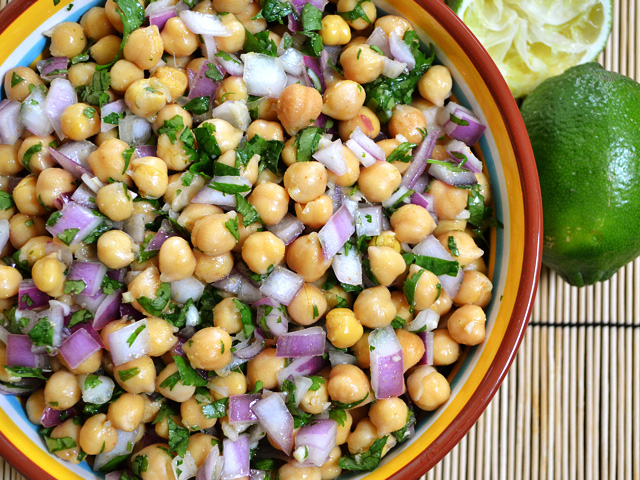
<point x="229" y="188"/>
<point x="348" y="406"/>
<point x="89" y="112"/>
<point x="172" y="128"/>
<point x="178" y="314"/>
<point x="92" y="381"/>
<point x="213" y="73"/>
<point x="134" y="335"/>
<point x="377" y="50"/>
<point x="227" y="57"/>
<point x="140" y="464"/>
<point x="29" y="223"/>
<point x="260" y="43"/>
<point x="274" y="11"/>
<point x="453" y="247"/>
<point x="206" y="140"/>
<point x="110" y="286"/>
<point x="74" y="287"/>
<point x="398" y="322"/>
<point x="311" y="18"/>
<point x="132" y="15"/>
<point x="128" y="374"/>
<point x="266" y="464"/>
<point x="307" y="143"/>
<point x="144" y="254"/>
<point x="232" y="226"/>
<point x="409" y="289"/>
<point x="359" y="53"/>
<point x="187" y="374"/>
<point x="42" y="333"/>
<point x="269" y="151"/>
<point x="356" y="13"/>
<point x="402" y="153"/>
<point x="317" y="381"/>
<point x="338" y="415"/>
<point x="96" y="92"/>
<point x="435" y="265"/>
<point x="171" y="381"/>
<point x="215" y="409"/>
<point x="367" y="461"/>
<point x="313" y="44"/>
<point x="197" y="106"/>
<point x="25" y="372"/>
<point x="186" y="178"/>
<point x="300" y="418"/>
<point x="113" y="118"/>
<point x="156" y="306"/>
<point x="259" y="386"/>
<point x="448" y="165"/>
<point x="6" y="201"/>
<point x="27" y="300"/>
<point x="220" y="169"/>
<point x="81" y="57"/>
<point x="178" y="438"/>
<point x="16" y="79"/>
<point x="458" y="121"/>
<point x="59" y="444"/>
<point x="245" y="317"/>
<point x="405" y="432"/>
<point x="31" y="151"/>
<point x="316" y="314"/>
<point x="95" y="234"/>
<point x="249" y="213"/>
<point x="80" y="316"/>
<point x="68" y="235"/>
<point x="480" y="216"/>
<point x="126" y="155"/>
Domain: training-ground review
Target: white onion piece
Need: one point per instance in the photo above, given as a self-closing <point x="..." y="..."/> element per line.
<point x="209" y="47"/>
<point x="401" y="51"/>
<point x="387" y="378"/>
<point x="293" y="62"/>
<point x="11" y="127"/>
<point x="366" y="159"/>
<point x="114" y="107"/>
<point x="397" y="195"/>
<point x="193" y="316"/>
<point x="78" y="151"/>
<point x="33" y="115"/>
<point x="300" y="366"/>
<point x="380" y="39"/>
<point x="134" y="227"/>
<point x="335" y="233"/>
<point x="369" y="145"/>
<point x="126" y="441"/>
<point x="426" y="320"/>
<point x="449" y="177"/>
<point x="159" y="6"/>
<point x="4" y="233"/>
<point x="338" y="357"/>
<point x="61" y="95"/>
<point x="332" y="157"/>
<point x="263" y="75"/>
<point x="464" y="215"/>
<point x="134" y="130"/>
<point x="130" y="342"/>
<point x="392" y="68"/>
<point x="282" y="285"/>
<point x="185" y="289"/>
<point x="204" y="24"/>
<point x="234" y="66"/>
<point x="98" y="391"/>
<point x="287" y="229"/>
<point x="211" y="196"/>
<point x="302" y="387"/>
<point x="368" y="220"/>
<point x="302" y="343"/>
<point x="275" y="418"/>
<point x="463" y="155"/>
<point x="184" y="467"/>
<point x="234" y="112"/>
<point x="348" y="267"/>
<point x="431" y="247"/>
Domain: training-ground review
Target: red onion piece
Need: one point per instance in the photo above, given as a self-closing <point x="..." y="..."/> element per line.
<point x="387" y="373"/>
<point x="401" y="51"/>
<point x="332" y="157"/>
<point x="313" y="69"/>
<point x="425" y="200"/>
<point x="282" y="285"/>
<point x="11" y="126"/>
<point x="19" y="352"/>
<point x="29" y="297"/>
<point x="69" y="165"/>
<point x="108" y="310"/>
<point x="392" y="68"/>
<point x="89" y="329"/>
<point x="134" y="227"/>
<point x="303" y="366"/>
<point x="114" y="107"/>
<point x="234" y="112"/>
<point x="421" y="184"/>
<point x="211" y="465"/>
<point x="159" y="19"/>
<point x="231" y="283"/>
<point x="348" y="267"/>
<point x="369" y="145"/>
<point x="4" y="233"/>
<point x="368" y="220"/>
<point x="293" y="23"/>
<point x="427" y="358"/>
<point x="50" y="66"/>
<point x="288" y="229"/>
<point x="461" y="124"/>
<point x="275" y="418"/>
<point x="463" y="156"/>
<point x="420" y="157"/>
<point x="91" y="303"/>
<point x="185" y="289"/>
<point x="202" y="86"/>
<point x="302" y="343"/>
<point x="445" y="175"/>
<point x="51" y="417"/>
<point x="335" y="233"/>
<point x="130" y="342"/>
<point x="240" y="408"/>
<point x="211" y="196"/>
<point x="127" y="310"/>
<point x="252" y="350"/>
<point x="91" y="273"/>
<point x="275" y="320"/>
<point x="159" y="6"/>
<point x="431" y="247"/>
<point x="263" y="75"/>
<point x="234" y="66"/>
<point x="117" y="274"/>
<point x="78" y="347"/>
<point x="33" y="115"/>
<point x="77" y="217"/>
<point x="299" y="4"/>
<point x="338" y="357"/>
<point x="366" y="159"/>
<point x="164" y="232"/>
<point x="61" y="95"/>
<point x="380" y="39"/>
<point x="78" y="152"/>
<point x="318" y="438"/>
<point x="204" y="24"/>
<point x="209" y="47"/>
<point x="83" y="196"/>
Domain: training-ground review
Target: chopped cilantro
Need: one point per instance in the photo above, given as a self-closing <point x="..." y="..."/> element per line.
<point x="307" y="143"/>
<point x="42" y="333"/>
<point x="134" y="335"/>
<point x="229" y="188"/>
<point x="31" y="151"/>
<point x="113" y="118"/>
<point x="89" y="112"/>
<point x="317" y="381"/>
<point x="453" y="248"/>
<point x="16" y="79"/>
<point x="213" y="73"/>
<point x="356" y="13"/>
<point x="275" y="11"/>
<point x="398" y="322"/>
<point x="172" y="128"/>
<point x="156" y="306"/>
<point x="197" y="106"/>
<point x="245" y="317"/>
<point x="68" y="235"/>
<point x="367" y="461"/>
<point x="435" y="265"/>
<point x="80" y="316"/>
<point x="206" y="140"/>
<point x="96" y="92"/>
<point x="25" y="372"/>
<point x="140" y="464"/>
<point x="215" y="409"/>
<point x="300" y="418"/>
<point x="92" y="381"/>
<point x="260" y="43"/>
<point x="187" y="374"/>
<point x="249" y="213"/>
<point x="178" y="438"/>
<point x="128" y="374"/>
<point x="402" y="153"/>
<point x="232" y="226"/>
<point x="74" y="287"/>
<point x="110" y="286"/>
<point x="409" y="289"/>
<point x="311" y="18"/>
<point x="339" y="415"/>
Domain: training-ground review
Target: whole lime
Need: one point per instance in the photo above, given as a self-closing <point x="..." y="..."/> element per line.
<point x="584" y="127"/>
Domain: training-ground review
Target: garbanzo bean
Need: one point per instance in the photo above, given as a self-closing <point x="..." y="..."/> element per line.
<point x="449" y="201"/>
<point x="176" y="391"/>
<point x="361" y="63"/>
<point x="194" y="212"/>
<point x="298" y="106"/>
<point x="97" y="435"/>
<point x="388" y="415"/>
<point x="150" y="175"/>
<point x="428" y="287"/>
<point x="108" y="162"/>
<point x="144" y="47"/>
<point x="226" y="315"/>
<point x="265" y="129"/>
<point x="231" y="89"/>
<point x="162" y="336"/>
<point x="25" y="196"/>
<point x="52" y="183"/>
<point x="349" y="384"/>
<point x="247" y="17"/>
<point x="435" y="84"/>
<point x="105" y="50"/>
<point x="393" y="23"/>
<point x="80" y="121"/>
<point x="211" y="235"/>
<point x="95" y="23"/>
<point x="146" y="97"/>
<point x="412" y="348"/>
<point x="123" y="74"/>
<point x="374" y="308"/>
<point x="271" y="202"/>
<point x="316" y="212"/>
<point x="335" y="30"/>
<point x="428" y="388"/>
<point x="367" y="7"/>
<point x="48" y="275"/>
<point x="35" y="403"/>
<point x="23" y="227"/>
<point x="474" y="290"/>
<point x="366" y="120"/>
<point x="67" y="40"/>
<point x="200" y="444"/>
<point x="178" y="39"/>
<point x="305" y="181"/>
<point x="227" y="136"/>
<point x="386" y="264"/>
<point x="308" y="306"/>
<point x="211" y="268"/>
<point x="158" y="462"/>
<point x="412" y="223"/>
<point x="353" y="170"/>
<point x="232" y="43"/>
<point x="209" y="348"/>
<point x="314" y="401"/>
<point x="9" y="160"/>
<point x="18" y="83"/>
<point x="379" y="181"/>
<point x="362" y="437"/>
<point x="114" y="200"/>
<point x="233" y="384"/>
<point x="115" y="249"/>
<point x="445" y="349"/>
<point x="81" y="74"/>
<point x="343" y="328"/>
<point x="409" y="122"/>
<point x="136" y="376"/>
<point x="192" y="416"/>
<point x="465" y="251"/>
<point x="68" y="429"/>
<point x="343" y="99"/>
<point x="176" y="260"/>
<point x="175" y="79"/>
<point x="36" y="161"/>
<point x="466" y="325"/>
<point x="61" y="390"/>
<point x="10" y="279"/>
<point x="262" y="251"/>
<point x="331" y="468"/>
<point x="290" y="471"/>
<point x="304" y="256"/>
<point x="265" y="367"/>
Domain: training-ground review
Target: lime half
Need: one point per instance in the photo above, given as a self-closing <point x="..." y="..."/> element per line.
<point x="531" y="40"/>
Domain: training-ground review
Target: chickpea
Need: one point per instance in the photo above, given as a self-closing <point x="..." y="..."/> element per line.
<point x="162" y="336"/>
<point x="105" y="50"/>
<point x="348" y="384"/>
<point x="316" y="212"/>
<point x="52" y="183"/>
<point x="144" y="47"/>
<point x="262" y="251"/>
<point x="232" y="89"/>
<point x="308" y="306"/>
<point x="158" y="462"/>
<point x="25" y="196"/>
<point x="175" y="79"/>
<point x="227" y="136"/>
<point x="226" y="315"/>
<point x="304" y="256"/>
<point x="147" y="97"/>
<point x="18" y="81"/>
<point x="265" y="367"/>
<point x="393" y="23"/>
<point x="194" y="212"/>
<point x="344" y="430"/>
<point x="314" y="401"/>
<point x="80" y="75"/>
<point x="173" y="153"/>
<point x="389" y="415"/>
<point x="443" y="304"/>
<point x="374" y="308"/>
<point x="234" y="42"/>
<point x="114" y="200"/>
<point x="90" y="365"/>
<point x="412" y="348"/>
<point x="108" y="162"/>
<point x="177" y="261"/>
<point x="343" y="99"/>
<point x="409" y="122"/>
<point x="448" y="225"/>
<point x="366" y="120"/>
<point x="271" y="202"/>
<point x="9" y="161"/>
<point x="331" y="469"/>
<point x="343" y="328"/>
<point x="35" y="404"/>
<point x="446" y="350"/>
<point x="232" y="6"/>
<point x="67" y="40"/>
<point x="390" y="145"/>
<point x="298" y="106"/>
<point x="305" y="181"/>
<point x="178" y="40"/>
<point x="427" y="388"/>
<point x="477" y="265"/>
<point x="485" y="187"/>
<point x="335" y="30"/>
<point x="247" y="18"/>
<point x="449" y="201"/>
<point x="386" y="264"/>
<point x="178" y="392"/>
<point x="97" y="436"/>
<point x="192" y="416"/>
<point x="123" y="74"/>
<point x="211" y="268"/>
<point x="151" y="408"/>
<point x="96" y="24"/>
<point x="295" y="472"/>
<point x="7" y="213"/>
<point x="402" y="307"/>
<point x="368" y="8"/>
<point x="209" y="348"/>
<point x="435" y="84"/>
<point x="412" y="223"/>
<point x="23" y="227"/>
<point x="379" y="181"/>
<point x="10" y="279"/>
<point x="362" y="437"/>
<point x="68" y="429"/>
<point x="353" y="170"/>
<point x="466" y="325"/>
<point x="475" y="290"/>
<point x="62" y="391"/>
<point x="5" y="376"/>
<point x="136" y="376"/>
<point x="265" y="129"/>
<point x="467" y="250"/>
<point x="210" y="235"/>
<point x="428" y="287"/>
<point x="200" y="444"/>
<point x="361" y="63"/>
<point x="361" y="351"/>
<point x="115" y="249"/>
<point x="48" y="275"/>
<point x="150" y="174"/>
<point x="235" y="383"/>
<point x="80" y="121"/>
<point x="36" y="162"/>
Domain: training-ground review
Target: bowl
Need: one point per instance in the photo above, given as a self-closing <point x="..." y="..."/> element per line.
<point x="514" y="261"/>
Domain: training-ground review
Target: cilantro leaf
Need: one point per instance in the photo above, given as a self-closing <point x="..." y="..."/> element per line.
<point x="435" y="265"/>
<point x="74" y="287"/>
<point x="156" y="306"/>
<point x="229" y="188"/>
<point x="25" y="372"/>
<point x="178" y="438"/>
<point x="110" y="286"/>
<point x="300" y="418"/>
<point x="96" y="92"/>
<point x="172" y="128"/>
<point x="128" y="374"/>
<point x="356" y="13"/>
<point x="16" y="79"/>
<point x="215" y="409"/>
<point x="113" y="118"/>
<point x="260" y="43"/>
<point x="6" y="200"/>
<point x="42" y="333"/>
<point x="409" y="289"/>
<point x="134" y="335"/>
<point x="197" y="106"/>
<point x="249" y="213"/>
<point x="26" y="159"/>
<point x="80" y="316"/>
<point x="307" y="143"/>
<point x="245" y="317"/>
<point x="311" y="18"/>
<point x="367" y="461"/>
<point x="338" y="415"/>
<point x="206" y="140"/>
<point x="402" y="153"/>
<point x="68" y="235"/>
<point x="232" y="226"/>
<point x="275" y="11"/>
<point x="187" y="374"/>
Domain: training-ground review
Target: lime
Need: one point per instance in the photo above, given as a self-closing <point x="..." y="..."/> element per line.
<point x="531" y="40"/>
<point x="584" y="127"/>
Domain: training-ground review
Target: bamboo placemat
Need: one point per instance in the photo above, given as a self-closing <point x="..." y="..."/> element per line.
<point x="570" y="406"/>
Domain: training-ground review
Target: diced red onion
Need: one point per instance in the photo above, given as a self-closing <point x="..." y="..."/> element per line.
<point x="332" y="157"/>
<point x="211" y="196"/>
<point x="90" y="330"/>
<point x="134" y="226"/>
<point x="78" y="347"/>
<point x="204" y="24"/>
<point x="209" y="47"/>
<point x="425" y="200"/>
<point x="4" y="233"/>
<point x="33" y="115"/>
<point x="348" y="267"/>
<point x="317" y="439"/>
<point x="263" y="75"/>
<point x="303" y="384"/>
<point x="387" y="378"/>
<point x="56" y="313"/>
<point x="114" y="107"/>
<point x="392" y="68"/>
<point x="91" y="273"/>
<point x="369" y="145"/>
<point x="303" y="366"/>
<point x="202" y="86"/>
<point x="431" y="247"/>
<point x="368" y="220"/>
<point x="420" y="158"/>
<point x="401" y="51"/>
<point x="338" y="357"/>
<point x="233" y="67"/>
<point x="453" y="115"/>
<point x="127" y="310"/>
<point x="51" y="417"/>
<point x="84" y="196"/>
<point x="251" y="351"/>
<point x="49" y="66"/>
<point x="335" y="233"/>
<point x="231" y="283"/>
<point x="248" y="292"/>
<point x="11" y="126"/>
<point x="91" y="303"/>
<point x="275" y="418"/>
<point x="365" y="158"/>
<point x="463" y="156"/>
<point x="293" y="23"/>
<point x="75" y="169"/>
<point x="160" y="18"/>
<point x="425" y="320"/>
<point x="240" y="408"/>
<point x="380" y="39"/>
<point x="78" y="152"/>
<point x="313" y="69"/>
<point x="287" y="229"/>
<point x="427" y="338"/>
<point x="126" y="441"/>
<point x="211" y="467"/>
<point x="75" y="216"/>
<point x="400" y="193"/>
<point x="275" y="319"/>
<point x="130" y="342"/>
<point x="108" y="310"/>
<point x="61" y="95"/>
<point x="282" y="285"/>
<point x="134" y="130"/>
<point x="19" y="352"/>
<point x="449" y="177"/>
<point x="164" y="232"/>
<point x="302" y="343"/>
<point x="234" y="112"/>
<point x="293" y="62"/>
<point x="183" y="290"/>
<point x="159" y="6"/>
<point x="185" y="467"/>
<point x="29" y="297"/>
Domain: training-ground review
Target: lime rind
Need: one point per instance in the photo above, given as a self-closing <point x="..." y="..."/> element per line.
<point x="532" y="40"/>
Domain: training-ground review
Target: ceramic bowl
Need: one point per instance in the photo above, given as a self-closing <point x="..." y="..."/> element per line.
<point x="514" y="261"/>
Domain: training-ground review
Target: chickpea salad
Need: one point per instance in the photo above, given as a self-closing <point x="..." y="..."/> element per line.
<point x="240" y="240"/>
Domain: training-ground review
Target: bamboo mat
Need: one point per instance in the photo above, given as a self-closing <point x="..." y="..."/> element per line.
<point x="570" y="406"/>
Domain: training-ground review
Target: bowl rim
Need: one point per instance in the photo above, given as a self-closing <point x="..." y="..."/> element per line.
<point x="531" y="266"/>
